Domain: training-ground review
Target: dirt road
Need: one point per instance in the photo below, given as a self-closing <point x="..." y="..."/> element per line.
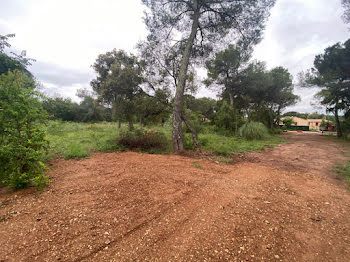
<point x="280" y="205"/>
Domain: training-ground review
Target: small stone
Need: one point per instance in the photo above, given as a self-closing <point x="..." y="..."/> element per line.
<point x="277" y="256"/>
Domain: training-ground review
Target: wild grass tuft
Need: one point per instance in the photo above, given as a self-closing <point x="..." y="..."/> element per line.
<point x="254" y="131"/>
<point x="344" y="171"/>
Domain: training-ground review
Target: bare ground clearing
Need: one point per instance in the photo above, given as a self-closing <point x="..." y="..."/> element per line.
<point x="280" y="205"/>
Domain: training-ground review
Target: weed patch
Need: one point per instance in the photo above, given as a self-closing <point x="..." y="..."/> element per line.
<point x="344" y="171"/>
<point x="197" y="165"/>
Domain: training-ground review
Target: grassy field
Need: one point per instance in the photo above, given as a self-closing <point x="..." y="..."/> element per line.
<point x="78" y="140"/>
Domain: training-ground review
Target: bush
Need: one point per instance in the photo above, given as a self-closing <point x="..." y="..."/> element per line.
<point x="22" y="139"/>
<point x="145" y="140"/>
<point x="277" y="131"/>
<point x="253" y="131"/>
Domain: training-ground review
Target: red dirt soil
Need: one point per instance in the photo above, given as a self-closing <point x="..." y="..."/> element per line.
<point x="280" y="205"/>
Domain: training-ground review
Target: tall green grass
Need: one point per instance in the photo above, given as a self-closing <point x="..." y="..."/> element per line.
<point x="254" y="131"/>
<point x="78" y="140"/>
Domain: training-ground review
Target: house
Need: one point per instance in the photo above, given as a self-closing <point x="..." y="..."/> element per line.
<point x="306" y="124"/>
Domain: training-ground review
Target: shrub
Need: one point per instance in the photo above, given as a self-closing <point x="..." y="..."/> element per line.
<point x="22" y="139"/>
<point x="277" y="131"/>
<point x="253" y="131"/>
<point x="145" y="140"/>
<point x="227" y="118"/>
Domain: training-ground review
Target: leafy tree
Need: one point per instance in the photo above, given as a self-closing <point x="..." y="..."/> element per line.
<point x="315" y="115"/>
<point x="227" y="69"/>
<point x="331" y="75"/>
<point x="153" y="109"/>
<point x="13" y="62"/>
<point x="346" y="6"/>
<point x="297" y="114"/>
<point x="22" y="138"/>
<point x="227" y="119"/>
<point x="89" y="109"/>
<point x="249" y="86"/>
<point x="204" y="106"/>
<point x="193" y="26"/>
<point x="118" y="80"/>
<point x="288" y="121"/>
<point x="257" y="83"/>
<point x="61" y="108"/>
<point x="280" y="94"/>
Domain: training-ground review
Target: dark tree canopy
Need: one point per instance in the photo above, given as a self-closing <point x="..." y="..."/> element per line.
<point x="331" y="74"/>
<point x="119" y="76"/>
<point x="13" y="61"/>
<point x="346" y="6"/>
<point x="250" y="86"/>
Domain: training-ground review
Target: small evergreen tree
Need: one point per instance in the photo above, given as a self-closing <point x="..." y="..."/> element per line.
<point x="22" y="138"/>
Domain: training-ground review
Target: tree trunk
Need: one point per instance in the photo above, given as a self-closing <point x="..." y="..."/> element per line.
<point x="259" y="113"/>
<point x="231" y="99"/>
<point x="278" y="117"/>
<point x="236" y="121"/>
<point x="177" y="135"/>
<point x="339" y="132"/>
<point x="248" y="115"/>
<point x="119" y="123"/>
<point x="271" y="117"/>
<point x="193" y="131"/>
<point x="131" y="125"/>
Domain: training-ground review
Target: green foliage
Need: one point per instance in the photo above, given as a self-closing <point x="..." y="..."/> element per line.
<point x="331" y="75"/>
<point x="204" y="106"/>
<point x="297" y="114"/>
<point x="228" y="118"/>
<point x="88" y="110"/>
<point x="22" y="138"/>
<point x="225" y="160"/>
<point x="103" y="136"/>
<point x="153" y="109"/>
<point x="344" y="171"/>
<point x="61" y="108"/>
<point x="288" y="122"/>
<point x="197" y="165"/>
<point x="227" y="145"/>
<point x="75" y="151"/>
<point x="144" y="140"/>
<point x="196" y="120"/>
<point x="276" y="131"/>
<point x="254" y="131"/>
<point x="118" y="80"/>
<point x="12" y="62"/>
<point x="67" y="139"/>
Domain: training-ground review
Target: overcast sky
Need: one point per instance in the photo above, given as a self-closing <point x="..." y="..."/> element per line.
<point x="66" y="36"/>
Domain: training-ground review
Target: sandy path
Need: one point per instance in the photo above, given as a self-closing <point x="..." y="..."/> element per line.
<point x="279" y="205"/>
